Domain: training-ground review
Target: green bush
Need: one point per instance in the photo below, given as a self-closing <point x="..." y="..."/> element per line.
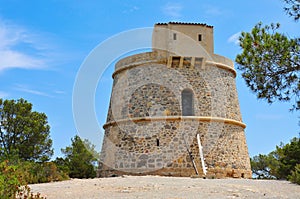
<point x="41" y="172"/>
<point x="15" y="175"/>
<point x="295" y="175"/>
<point x="10" y="182"/>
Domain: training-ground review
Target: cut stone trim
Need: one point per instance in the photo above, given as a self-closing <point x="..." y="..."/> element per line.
<point x="223" y="66"/>
<point x="174" y="118"/>
<point x="169" y="64"/>
<point x="140" y="63"/>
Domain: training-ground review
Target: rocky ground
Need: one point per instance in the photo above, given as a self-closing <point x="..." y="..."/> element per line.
<point x="167" y="187"/>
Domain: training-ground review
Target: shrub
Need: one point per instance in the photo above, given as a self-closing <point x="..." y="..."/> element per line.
<point x="15" y="175"/>
<point x="41" y="172"/>
<point x="295" y="175"/>
<point x="24" y="193"/>
<point x="9" y="181"/>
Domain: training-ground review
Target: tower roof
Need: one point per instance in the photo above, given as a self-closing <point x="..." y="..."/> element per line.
<point x="185" y="23"/>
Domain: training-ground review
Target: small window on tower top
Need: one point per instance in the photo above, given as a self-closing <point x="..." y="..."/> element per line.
<point x="174" y="36"/>
<point x="199" y="37"/>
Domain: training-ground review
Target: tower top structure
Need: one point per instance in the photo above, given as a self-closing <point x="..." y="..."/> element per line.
<point x="182" y="38"/>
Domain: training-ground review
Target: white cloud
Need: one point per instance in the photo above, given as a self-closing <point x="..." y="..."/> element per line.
<point x="131" y="9"/>
<point x="14" y="59"/>
<point x="59" y="92"/>
<point x="3" y="94"/>
<point x="173" y="9"/>
<point x="212" y="10"/>
<point x="19" y="48"/>
<point x="234" y="38"/>
<point x="26" y="89"/>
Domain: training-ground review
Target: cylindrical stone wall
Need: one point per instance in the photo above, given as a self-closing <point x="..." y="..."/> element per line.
<point x="147" y="131"/>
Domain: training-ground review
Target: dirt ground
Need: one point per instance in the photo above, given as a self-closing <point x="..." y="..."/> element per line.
<point x="167" y="187"/>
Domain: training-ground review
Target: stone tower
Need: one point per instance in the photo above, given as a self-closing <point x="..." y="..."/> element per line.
<point x="164" y="99"/>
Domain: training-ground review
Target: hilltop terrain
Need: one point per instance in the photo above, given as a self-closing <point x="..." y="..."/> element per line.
<point x="167" y="187"/>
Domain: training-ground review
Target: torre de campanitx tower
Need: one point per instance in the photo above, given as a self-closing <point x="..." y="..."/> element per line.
<point x="174" y="111"/>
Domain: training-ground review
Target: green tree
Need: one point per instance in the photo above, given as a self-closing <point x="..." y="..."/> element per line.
<point x="289" y="157"/>
<point x="24" y="134"/>
<point x="270" y="64"/>
<point x="270" y="61"/>
<point x="282" y="163"/>
<point x="292" y="8"/>
<point x="263" y="166"/>
<point x="80" y="158"/>
<point x="295" y="175"/>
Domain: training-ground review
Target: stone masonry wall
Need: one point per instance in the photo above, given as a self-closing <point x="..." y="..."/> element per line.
<point x="148" y="86"/>
<point x="146" y="133"/>
<point x="137" y="150"/>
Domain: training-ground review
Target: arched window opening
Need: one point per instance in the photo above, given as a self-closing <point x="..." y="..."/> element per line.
<point x="199" y="37"/>
<point x="187" y="102"/>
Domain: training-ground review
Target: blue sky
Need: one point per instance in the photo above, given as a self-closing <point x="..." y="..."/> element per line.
<point x="44" y="43"/>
